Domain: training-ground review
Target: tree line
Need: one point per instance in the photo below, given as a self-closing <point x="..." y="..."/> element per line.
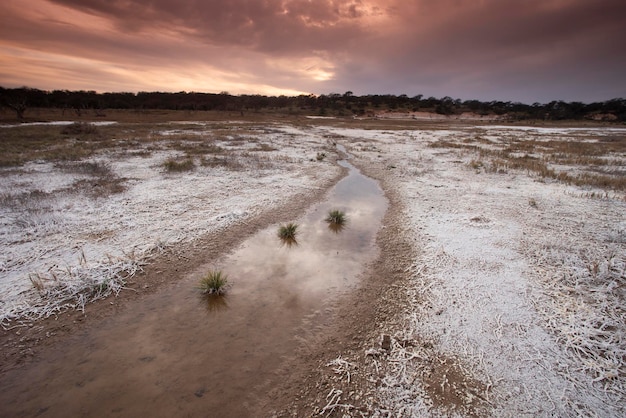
<point x="19" y="100"/>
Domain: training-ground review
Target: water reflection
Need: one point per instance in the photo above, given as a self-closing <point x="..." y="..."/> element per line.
<point x="327" y="256"/>
<point x="215" y="302"/>
<point x="288" y="241"/>
<point x="336" y="227"/>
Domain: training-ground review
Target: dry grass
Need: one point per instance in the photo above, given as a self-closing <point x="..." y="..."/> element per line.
<point x="586" y="162"/>
<point x="102" y="182"/>
<point x="173" y="165"/>
<point x="62" y="289"/>
<point x="264" y="147"/>
<point x="80" y="129"/>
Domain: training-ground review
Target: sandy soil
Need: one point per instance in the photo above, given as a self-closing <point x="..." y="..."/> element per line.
<point x="495" y="294"/>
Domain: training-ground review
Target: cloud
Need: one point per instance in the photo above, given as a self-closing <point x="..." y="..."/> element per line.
<point x="530" y="50"/>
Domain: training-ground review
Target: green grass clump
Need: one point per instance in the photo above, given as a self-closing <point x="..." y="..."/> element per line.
<point x="214" y="283"/>
<point x="336" y="217"/>
<point x="336" y="220"/>
<point x="287" y="233"/>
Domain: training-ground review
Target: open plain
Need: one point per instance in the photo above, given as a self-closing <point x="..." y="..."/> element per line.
<point x="497" y="287"/>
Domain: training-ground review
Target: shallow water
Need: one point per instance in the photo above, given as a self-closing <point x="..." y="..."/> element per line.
<point x="176" y="353"/>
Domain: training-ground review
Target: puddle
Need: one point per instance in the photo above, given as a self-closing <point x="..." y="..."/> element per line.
<point x="176" y="353"/>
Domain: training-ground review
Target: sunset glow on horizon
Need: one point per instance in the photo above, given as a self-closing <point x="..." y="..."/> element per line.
<point x="527" y="51"/>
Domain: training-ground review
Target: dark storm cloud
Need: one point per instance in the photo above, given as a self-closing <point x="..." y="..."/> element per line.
<point x="531" y="50"/>
<point x="526" y="50"/>
<point x="263" y="25"/>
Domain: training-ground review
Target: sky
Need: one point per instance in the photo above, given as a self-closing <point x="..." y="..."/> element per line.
<point x="511" y="50"/>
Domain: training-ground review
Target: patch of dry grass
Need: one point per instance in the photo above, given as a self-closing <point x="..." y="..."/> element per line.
<point x="588" y="162"/>
<point x="174" y="165"/>
<point x="103" y="181"/>
<point x="80" y="129"/>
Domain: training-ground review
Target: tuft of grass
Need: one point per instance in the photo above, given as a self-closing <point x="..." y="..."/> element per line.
<point x="336" y="220"/>
<point x="214" y="283"/>
<point x="287" y="233"/>
<point x="176" y="166"/>
<point x="320" y="156"/>
<point x="336" y="217"/>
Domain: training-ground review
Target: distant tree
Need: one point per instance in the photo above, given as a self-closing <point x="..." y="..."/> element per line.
<point x="15" y="99"/>
<point x="445" y="106"/>
<point x="19" y="100"/>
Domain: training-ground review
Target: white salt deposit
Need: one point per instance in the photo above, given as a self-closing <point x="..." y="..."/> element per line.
<point x="489" y="285"/>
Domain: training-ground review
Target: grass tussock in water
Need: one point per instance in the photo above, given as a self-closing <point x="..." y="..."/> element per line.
<point x="336" y="220"/>
<point x="287" y="233"/>
<point x="336" y="217"/>
<point x="214" y="283"/>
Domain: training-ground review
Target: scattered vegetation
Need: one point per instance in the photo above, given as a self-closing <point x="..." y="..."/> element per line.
<point x="584" y="161"/>
<point x="214" y="283"/>
<point x="287" y="233"/>
<point x="103" y="181"/>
